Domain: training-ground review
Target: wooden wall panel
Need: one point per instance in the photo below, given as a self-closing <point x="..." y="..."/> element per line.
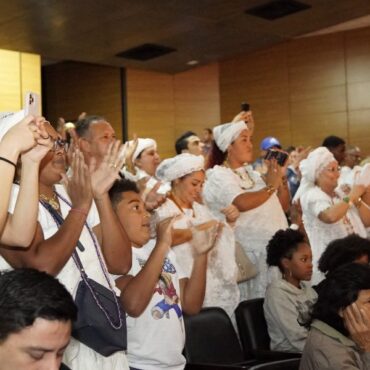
<point x="10" y="81"/>
<point x="72" y="88"/>
<point x="150" y="108"/>
<point x="197" y="99"/>
<point x="305" y="89"/>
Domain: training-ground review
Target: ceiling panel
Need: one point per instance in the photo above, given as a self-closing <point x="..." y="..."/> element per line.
<point x="95" y="31"/>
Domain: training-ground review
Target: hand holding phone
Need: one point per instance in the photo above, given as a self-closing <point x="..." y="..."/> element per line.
<point x="280" y="156"/>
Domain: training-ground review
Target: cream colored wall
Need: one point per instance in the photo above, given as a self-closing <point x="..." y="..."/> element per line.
<point x="19" y="73"/>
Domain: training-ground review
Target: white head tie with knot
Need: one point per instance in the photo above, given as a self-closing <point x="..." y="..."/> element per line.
<point x="142" y="145"/>
<point x="311" y="167"/>
<point x="183" y="164"/>
<point x="226" y="133"/>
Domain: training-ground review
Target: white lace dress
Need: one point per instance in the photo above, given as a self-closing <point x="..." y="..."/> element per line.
<point x="221" y="287"/>
<point x="254" y="228"/>
<point x="320" y="234"/>
<point x="77" y="356"/>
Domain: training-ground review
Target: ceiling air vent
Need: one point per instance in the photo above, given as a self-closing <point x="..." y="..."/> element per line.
<point x="145" y="52"/>
<point x="277" y="9"/>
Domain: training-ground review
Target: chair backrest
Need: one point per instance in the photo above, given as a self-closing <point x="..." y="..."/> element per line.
<point x="252" y="325"/>
<point x="211" y="338"/>
<point x="291" y="364"/>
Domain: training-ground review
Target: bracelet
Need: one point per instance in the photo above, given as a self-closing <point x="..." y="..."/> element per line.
<point x="79" y="210"/>
<point x="358" y="202"/>
<point x="269" y="189"/>
<point x="8" y="161"/>
<point x="284" y="180"/>
<point x="348" y="201"/>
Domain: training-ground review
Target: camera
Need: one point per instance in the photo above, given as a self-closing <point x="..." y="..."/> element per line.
<point x="281" y="157"/>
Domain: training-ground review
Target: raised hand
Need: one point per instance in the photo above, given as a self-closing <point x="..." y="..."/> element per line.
<point x="204" y="236"/>
<point x="152" y="199"/>
<point x="103" y="177"/>
<point x="131" y="147"/>
<point x="274" y="173"/>
<point x="357" y="322"/>
<point x="247" y="117"/>
<point x="164" y="231"/>
<point x="231" y="213"/>
<point x="79" y="184"/>
<point x="43" y="144"/>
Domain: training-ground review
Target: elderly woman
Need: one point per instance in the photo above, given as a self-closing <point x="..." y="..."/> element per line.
<point x="142" y="160"/>
<point x="327" y="214"/>
<point x="339" y="338"/>
<point x="258" y="199"/>
<point x="186" y="174"/>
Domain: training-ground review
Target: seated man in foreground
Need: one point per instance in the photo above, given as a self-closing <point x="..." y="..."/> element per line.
<point x="36" y="320"/>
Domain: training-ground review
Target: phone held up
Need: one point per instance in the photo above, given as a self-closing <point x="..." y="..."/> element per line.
<point x="245" y="107"/>
<point x="280" y="156"/>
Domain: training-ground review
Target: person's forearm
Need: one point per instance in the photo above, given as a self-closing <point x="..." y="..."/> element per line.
<point x="180" y="236"/>
<point x="115" y="243"/>
<point x="52" y="254"/>
<point x="284" y="195"/>
<point x="250" y="200"/>
<point x="26" y="209"/>
<point x="137" y="294"/>
<point x="7" y="171"/>
<point x="364" y="209"/>
<point x="334" y="213"/>
<point x="195" y="288"/>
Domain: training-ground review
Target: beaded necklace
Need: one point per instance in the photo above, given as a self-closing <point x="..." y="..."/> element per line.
<point x="246" y="181"/>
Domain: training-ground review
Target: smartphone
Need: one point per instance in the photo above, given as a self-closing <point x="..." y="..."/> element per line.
<point x="281" y="157"/>
<point x="32" y="104"/>
<point x="245" y="107"/>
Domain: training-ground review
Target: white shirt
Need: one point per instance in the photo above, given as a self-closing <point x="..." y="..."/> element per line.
<point x="320" y="234"/>
<point x="77" y="356"/>
<point x="254" y="228"/>
<point x="221" y="286"/>
<point x="157" y="337"/>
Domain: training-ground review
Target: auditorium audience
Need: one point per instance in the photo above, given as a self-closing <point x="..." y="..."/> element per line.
<point x="186" y="174"/>
<point x="156" y="291"/>
<point x="326" y="214"/>
<point x="207" y="141"/>
<point x="339" y="336"/>
<point x="288" y="301"/>
<point x="102" y="241"/>
<point x="260" y="201"/>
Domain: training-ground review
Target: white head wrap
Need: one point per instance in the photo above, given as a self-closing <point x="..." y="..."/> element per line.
<point x="179" y="166"/>
<point x="226" y="133"/>
<point x="142" y="145"/>
<point x="311" y="167"/>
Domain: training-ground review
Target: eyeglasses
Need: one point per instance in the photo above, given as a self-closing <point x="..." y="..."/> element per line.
<point x="333" y="169"/>
<point x="59" y="144"/>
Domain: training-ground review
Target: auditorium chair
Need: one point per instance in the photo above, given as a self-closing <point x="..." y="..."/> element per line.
<point x="289" y="364"/>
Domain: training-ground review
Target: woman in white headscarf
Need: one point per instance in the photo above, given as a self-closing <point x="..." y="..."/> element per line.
<point x="186" y="174"/>
<point x="329" y="214"/>
<point x="259" y="200"/>
<point x="142" y="160"/>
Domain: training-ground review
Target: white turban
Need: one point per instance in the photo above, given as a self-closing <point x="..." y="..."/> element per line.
<point x="179" y="166"/>
<point x="8" y="120"/>
<point x="142" y="145"/>
<point x="226" y="133"/>
<point x="311" y="167"/>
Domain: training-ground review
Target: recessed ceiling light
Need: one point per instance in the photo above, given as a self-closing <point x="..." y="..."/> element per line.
<point x="192" y="62"/>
